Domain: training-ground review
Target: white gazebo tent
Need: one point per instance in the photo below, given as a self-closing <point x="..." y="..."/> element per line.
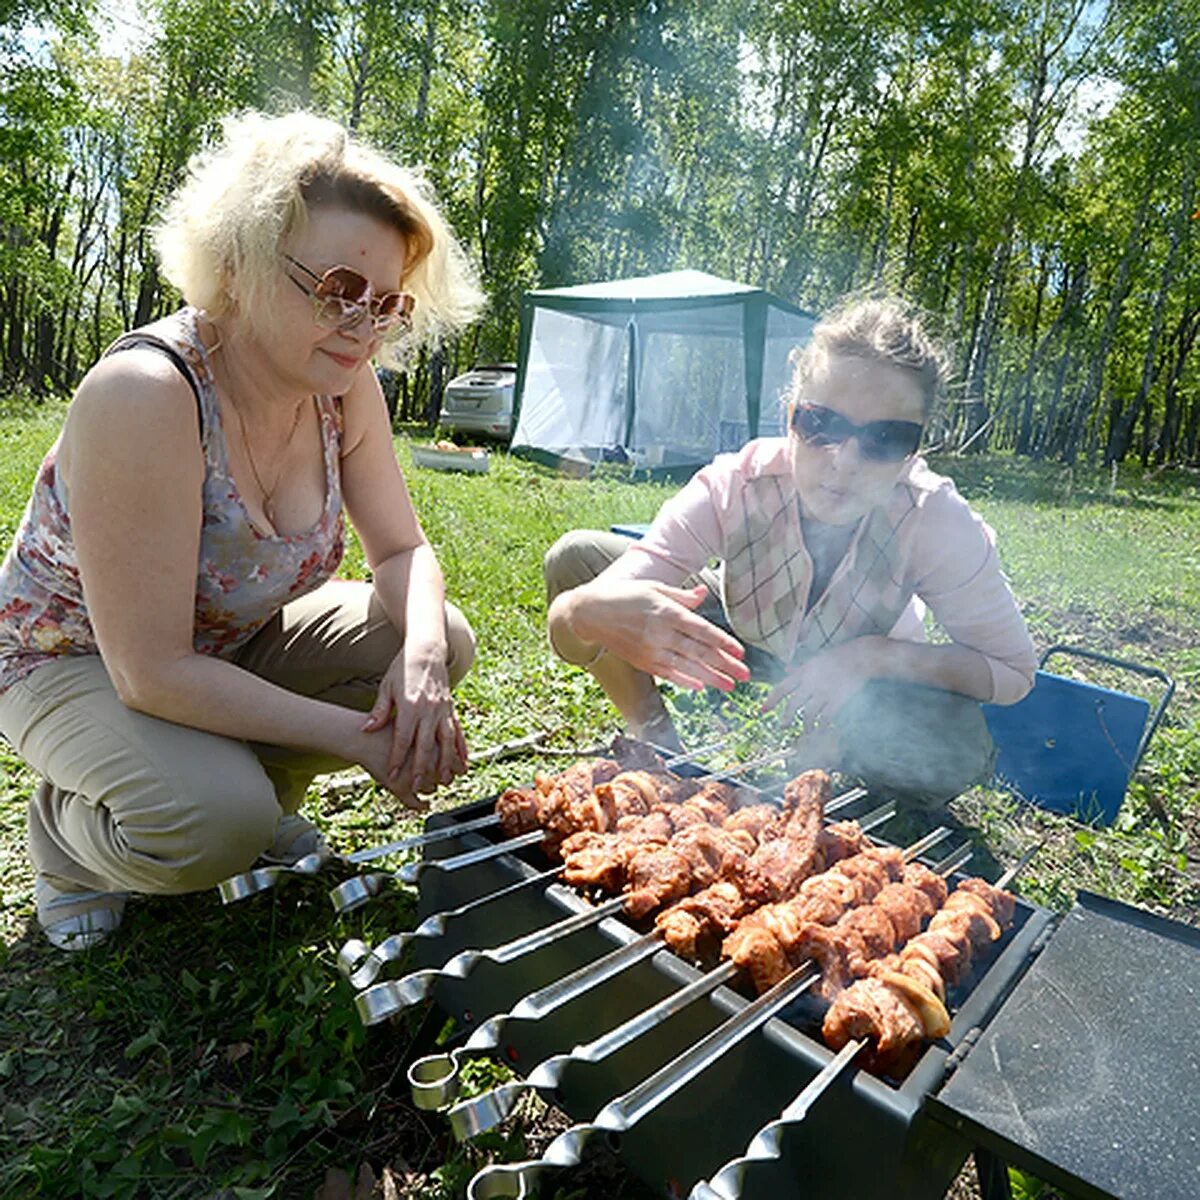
<point x="660" y="371"/>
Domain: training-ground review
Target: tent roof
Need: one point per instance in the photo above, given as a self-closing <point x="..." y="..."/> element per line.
<point x="669" y="287"/>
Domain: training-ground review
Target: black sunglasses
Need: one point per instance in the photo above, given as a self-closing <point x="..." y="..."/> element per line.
<point x="879" y="441"/>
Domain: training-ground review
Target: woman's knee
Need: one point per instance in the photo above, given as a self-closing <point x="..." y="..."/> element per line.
<point x="913" y="740"/>
<point x="209" y="825"/>
<point x="578" y="557"/>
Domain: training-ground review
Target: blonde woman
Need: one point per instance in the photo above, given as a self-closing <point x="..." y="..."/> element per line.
<point x="176" y="660"/>
<point x="829" y="543"/>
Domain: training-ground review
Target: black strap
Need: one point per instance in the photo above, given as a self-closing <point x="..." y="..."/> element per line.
<point x="180" y="365"/>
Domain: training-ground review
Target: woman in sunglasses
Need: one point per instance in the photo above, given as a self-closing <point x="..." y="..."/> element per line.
<point x="176" y="660"/>
<point x="829" y="545"/>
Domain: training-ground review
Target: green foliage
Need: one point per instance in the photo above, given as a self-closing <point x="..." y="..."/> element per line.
<point x="1027" y="171"/>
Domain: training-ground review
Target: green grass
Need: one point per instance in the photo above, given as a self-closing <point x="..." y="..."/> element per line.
<point x="216" y="1052"/>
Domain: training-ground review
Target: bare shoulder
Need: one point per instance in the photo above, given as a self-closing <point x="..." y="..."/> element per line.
<point x="137" y="390"/>
<point x="136" y="401"/>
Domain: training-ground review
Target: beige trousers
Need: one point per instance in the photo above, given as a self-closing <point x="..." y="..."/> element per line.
<point x="135" y="803"/>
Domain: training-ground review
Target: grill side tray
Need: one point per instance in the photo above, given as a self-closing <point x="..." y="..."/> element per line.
<point x="1089" y="1076"/>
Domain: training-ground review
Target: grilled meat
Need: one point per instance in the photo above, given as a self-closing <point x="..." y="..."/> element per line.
<point x="900" y="1000"/>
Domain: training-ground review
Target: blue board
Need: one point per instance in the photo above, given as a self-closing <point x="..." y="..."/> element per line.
<point x="1068" y="746"/>
<point x="633" y="531"/>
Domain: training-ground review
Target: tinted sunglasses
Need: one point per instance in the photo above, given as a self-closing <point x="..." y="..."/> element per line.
<point x="342" y="297"/>
<point x="879" y="441"/>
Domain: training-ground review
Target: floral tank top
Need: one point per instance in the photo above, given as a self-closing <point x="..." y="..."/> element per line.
<point x="244" y="576"/>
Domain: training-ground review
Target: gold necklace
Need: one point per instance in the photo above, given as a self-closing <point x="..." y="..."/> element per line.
<point x="268" y="492"/>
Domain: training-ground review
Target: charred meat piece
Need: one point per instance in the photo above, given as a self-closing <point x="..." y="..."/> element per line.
<point x="559" y="815"/>
<point x="705" y="847"/>
<point x="870" y="1009"/>
<point x="869" y="935"/>
<point x="930" y="883"/>
<point x="629" y="794"/>
<point x="893" y="1018"/>
<point x="655" y="876"/>
<point x="753" y="818"/>
<point x="594" y="860"/>
<point x="906" y="907"/>
<point x="789" y="853"/>
<point x="840" y="840"/>
<point x="694" y="926"/>
<point x="654" y="826"/>
<point x="1000" y="903"/>
<point x="757" y="951"/>
<point x="519" y="810"/>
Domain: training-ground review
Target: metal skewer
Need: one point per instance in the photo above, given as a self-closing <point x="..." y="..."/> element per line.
<point x="362" y="964"/>
<point x="484" y="1111"/>
<point x="621" y="1114"/>
<point x="726" y="1184"/>
<point x="260" y="879"/>
<point x="383" y="1000"/>
<point x="357" y="891"/>
<point x="517" y="1180"/>
<point x="435" y="1078"/>
<point x="729" y="1182"/>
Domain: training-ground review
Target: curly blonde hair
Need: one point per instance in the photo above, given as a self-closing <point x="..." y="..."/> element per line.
<point x="881" y="329"/>
<point x="220" y="235"/>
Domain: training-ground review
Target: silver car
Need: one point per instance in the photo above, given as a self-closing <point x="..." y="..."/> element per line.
<point x="481" y="401"/>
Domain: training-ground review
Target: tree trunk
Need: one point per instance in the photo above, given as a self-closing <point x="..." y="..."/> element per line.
<point x="1121" y="427"/>
<point x="1089" y="393"/>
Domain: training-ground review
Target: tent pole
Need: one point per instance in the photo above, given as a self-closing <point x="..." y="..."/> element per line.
<point x="754" y="338"/>
<point x="524" y="337"/>
<point x="631" y="373"/>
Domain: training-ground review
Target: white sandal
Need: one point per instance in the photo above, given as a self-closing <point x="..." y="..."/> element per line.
<point x="77" y="920"/>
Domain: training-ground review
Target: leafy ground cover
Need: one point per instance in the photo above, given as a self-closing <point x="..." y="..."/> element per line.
<point x="215" y="1052"/>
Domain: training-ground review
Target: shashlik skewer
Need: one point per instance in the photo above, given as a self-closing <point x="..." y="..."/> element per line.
<point x="362" y="964"/>
<point x="627" y="753"/>
<point x="482" y="1112"/>
<point x="551" y="817"/>
<point x="434" y="1079"/>
<point x="380" y="1001"/>
<point x="766" y="1146"/>
<point x="898" y="1001"/>
<point x="621" y="1114"/>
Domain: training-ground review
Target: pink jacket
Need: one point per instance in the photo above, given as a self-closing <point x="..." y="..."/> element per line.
<point x="925" y="546"/>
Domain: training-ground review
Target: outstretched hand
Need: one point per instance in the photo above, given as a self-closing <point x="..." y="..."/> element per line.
<point x="426" y="747"/>
<point x="652" y="626"/>
<point x="820" y="686"/>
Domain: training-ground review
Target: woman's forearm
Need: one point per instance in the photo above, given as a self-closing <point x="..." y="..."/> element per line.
<point x="218" y="697"/>
<point x="413" y="594"/>
<point x="949" y="666"/>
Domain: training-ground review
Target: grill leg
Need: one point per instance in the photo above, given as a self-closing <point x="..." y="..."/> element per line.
<point x="993" y="1175"/>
